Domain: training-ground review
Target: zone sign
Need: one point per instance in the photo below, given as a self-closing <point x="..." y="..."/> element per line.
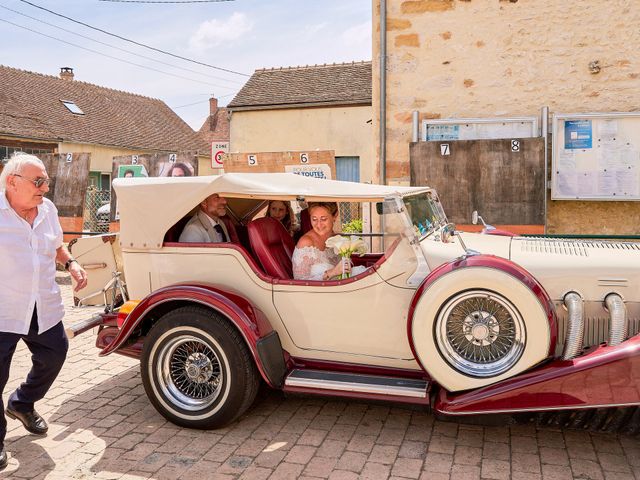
<point x="218" y="151"/>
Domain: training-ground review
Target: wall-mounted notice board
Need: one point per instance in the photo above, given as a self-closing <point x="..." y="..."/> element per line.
<point x="596" y="156"/>
<point x="479" y="128"/>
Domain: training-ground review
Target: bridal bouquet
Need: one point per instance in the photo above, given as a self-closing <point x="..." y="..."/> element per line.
<point x="345" y="247"/>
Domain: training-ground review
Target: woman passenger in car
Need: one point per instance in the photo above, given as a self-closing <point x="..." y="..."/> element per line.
<point x="282" y="212"/>
<point x="311" y="259"/>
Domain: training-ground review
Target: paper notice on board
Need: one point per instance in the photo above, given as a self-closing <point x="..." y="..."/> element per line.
<point x="627" y="181"/>
<point x="587" y="184"/>
<point x="578" y="134"/>
<point x="607" y="129"/>
<point x="567" y="184"/>
<point x="443" y="132"/>
<point x="616" y="156"/>
<point x="607" y="183"/>
<point x="567" y="160"/>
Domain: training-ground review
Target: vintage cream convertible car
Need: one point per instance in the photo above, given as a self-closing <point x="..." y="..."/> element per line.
<point x="471" y="323"/>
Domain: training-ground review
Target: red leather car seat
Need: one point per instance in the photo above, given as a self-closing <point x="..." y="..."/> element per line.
<point x="272" y="246"/>
<point x="231" y="228"/>
<point x="305" y="224"/>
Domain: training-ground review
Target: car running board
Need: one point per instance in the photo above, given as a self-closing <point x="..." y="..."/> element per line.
<point x="355" y="384"/>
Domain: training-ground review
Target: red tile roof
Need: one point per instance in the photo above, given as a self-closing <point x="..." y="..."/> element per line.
<point x="316" y="85"/>
<point x="216" y="127"/>
<point x="31" y="107"/>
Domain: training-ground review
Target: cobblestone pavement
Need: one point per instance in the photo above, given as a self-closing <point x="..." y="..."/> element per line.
<point x="101" y="425"/>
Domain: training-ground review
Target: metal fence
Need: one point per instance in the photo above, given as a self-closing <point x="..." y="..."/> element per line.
<point x="96" y="210"/>
<point x="349" y="211"/>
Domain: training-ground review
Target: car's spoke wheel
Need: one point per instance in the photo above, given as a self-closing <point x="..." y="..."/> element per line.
<point x="480" y="333"/>
<point x="189" y="372"/>
<point x="478" y="325"/>
<point x="197" y="370"/>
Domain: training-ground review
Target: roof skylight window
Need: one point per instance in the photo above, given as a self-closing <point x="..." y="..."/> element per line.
<point x="72" y="107"/>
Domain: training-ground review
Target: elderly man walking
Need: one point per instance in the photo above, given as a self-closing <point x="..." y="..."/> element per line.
<point x="32" y="310"/>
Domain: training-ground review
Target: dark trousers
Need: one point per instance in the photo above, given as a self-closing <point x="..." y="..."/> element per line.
<point x="48" y="352"/>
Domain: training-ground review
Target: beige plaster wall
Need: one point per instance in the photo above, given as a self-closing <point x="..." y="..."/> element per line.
<point x="342" y="129"/>
<point x="101" y="156"/>
<point x="483" y="58"/>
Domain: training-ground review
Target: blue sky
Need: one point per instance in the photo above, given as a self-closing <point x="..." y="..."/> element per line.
<point x="240" y="35"/>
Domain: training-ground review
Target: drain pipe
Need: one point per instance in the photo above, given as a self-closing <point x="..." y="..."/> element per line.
<point x="618" y="319"/>
<point x="575" y="327"/>
<point x="383" y="92"/>
<point x="415" y="126"/>
<point x="544" y="126"/>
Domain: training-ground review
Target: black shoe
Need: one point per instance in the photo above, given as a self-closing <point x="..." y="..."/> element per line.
<point x="4" y="460"/>
<point x="32" y="421"/>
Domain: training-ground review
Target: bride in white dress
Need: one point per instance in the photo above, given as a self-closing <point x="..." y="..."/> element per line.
<point x="311" y="259"/>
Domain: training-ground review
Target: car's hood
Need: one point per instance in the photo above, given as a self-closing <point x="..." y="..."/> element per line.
<point x="593" y="268"/>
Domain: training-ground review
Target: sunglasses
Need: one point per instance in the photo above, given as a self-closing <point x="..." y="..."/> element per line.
<point x="38" y="182"/>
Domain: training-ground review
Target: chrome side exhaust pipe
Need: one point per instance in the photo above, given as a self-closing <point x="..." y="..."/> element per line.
<point x="575" y="328"/>
<point x="618" y="325"/>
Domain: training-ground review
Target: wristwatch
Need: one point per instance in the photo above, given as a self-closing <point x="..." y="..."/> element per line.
<point x="69" y="262"/>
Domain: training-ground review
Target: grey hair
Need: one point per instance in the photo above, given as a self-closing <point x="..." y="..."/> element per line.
<point x="15" y="165"/>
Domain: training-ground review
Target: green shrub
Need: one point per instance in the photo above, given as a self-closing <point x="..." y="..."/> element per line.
<point x="354" y="226"/>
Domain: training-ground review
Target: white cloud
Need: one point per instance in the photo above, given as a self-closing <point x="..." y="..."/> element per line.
<point x="217" y="32"/>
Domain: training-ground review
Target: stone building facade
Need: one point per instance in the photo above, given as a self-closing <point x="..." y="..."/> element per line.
<point x="488" y="58"/>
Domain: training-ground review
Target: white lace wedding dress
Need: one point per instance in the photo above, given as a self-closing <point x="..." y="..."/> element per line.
<point x="310" y="263"/>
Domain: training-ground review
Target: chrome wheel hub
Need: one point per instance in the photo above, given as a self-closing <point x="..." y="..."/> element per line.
<point x="189" y="372"/>
<point x="198" y="368"/>
<point x="480" y="333"/>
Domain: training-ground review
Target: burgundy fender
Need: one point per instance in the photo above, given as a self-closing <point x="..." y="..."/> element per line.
<point x="250" y="322"/>
<point x="489" y="261"/>
<point x="605" y="377"/>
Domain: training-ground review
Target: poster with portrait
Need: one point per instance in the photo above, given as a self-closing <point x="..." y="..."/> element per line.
<point x="181" y="164"/>
<point x="132" y="171"/>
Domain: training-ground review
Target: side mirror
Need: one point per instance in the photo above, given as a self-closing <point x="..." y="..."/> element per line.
<point x="474" y="220"/>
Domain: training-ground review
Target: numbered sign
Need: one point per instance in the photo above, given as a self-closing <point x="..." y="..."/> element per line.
<point x="134" y="159"/>
<point x="304" y="158"/>
<point x="69" y="157"/>
<point x="445" y="149"/>
<point x="218" y="158"/>
<point x="172" y="158"/>
<point x="252" y="160"/>
<point x="515" y="145"/>
<point x="218" y="153"/>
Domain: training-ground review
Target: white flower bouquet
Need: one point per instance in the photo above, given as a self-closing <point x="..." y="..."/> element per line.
<point x="345" y="247"/>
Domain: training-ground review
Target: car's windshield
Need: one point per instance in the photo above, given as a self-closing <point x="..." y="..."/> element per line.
<point x="425" y="211"/>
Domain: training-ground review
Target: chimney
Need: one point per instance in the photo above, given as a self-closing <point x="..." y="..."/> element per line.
<point x="66" y="73"/>
<point x="213" y="106"/>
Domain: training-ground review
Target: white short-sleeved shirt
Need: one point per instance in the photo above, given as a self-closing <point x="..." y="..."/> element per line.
<point x="28" y="268"/>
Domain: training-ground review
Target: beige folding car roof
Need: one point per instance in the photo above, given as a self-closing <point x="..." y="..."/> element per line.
<point x="148" y="207"/>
